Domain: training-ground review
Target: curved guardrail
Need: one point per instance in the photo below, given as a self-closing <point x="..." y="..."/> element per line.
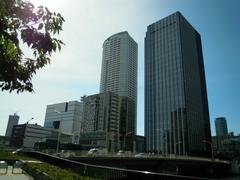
<point x="104" y="172"/>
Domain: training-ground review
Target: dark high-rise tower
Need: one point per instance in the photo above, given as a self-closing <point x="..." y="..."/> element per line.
<point x="176" y="104"/>
<point x="221" y="126"/>
<point x="12" y="120"/>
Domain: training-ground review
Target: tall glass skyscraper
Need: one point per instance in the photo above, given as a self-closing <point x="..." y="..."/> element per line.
<point x="176" y="104"/>
<point x="119" y="76"/>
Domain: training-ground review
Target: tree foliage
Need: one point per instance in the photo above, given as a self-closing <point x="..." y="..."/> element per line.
<point x="22" y="23"/>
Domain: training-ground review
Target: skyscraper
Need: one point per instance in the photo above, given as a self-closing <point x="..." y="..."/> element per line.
<point x="119" y="72"/>
<point x="221" y="126"/>
<point x="176" y="104"/>
<point x="12" y="120"/>
<point x="119" y="66"/>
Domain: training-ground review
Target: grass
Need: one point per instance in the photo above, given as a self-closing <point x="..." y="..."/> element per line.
<point x="55" y="172"/>
<point x="4" y="154"/>
<point x="10" y="155"/>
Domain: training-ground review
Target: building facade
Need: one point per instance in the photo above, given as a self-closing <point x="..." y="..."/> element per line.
<point x="106" y="122"/>
<point x="140" y="144"/>
<point x="176" y="104"/>
<point x="26" y="135"/>
<point x="119" y="67"/>
<point x="226" y="143"/>
<point x="221" y="126"/>
<point x="66" y="117"/>
<point x="4" y="142"/>
<point x="12" y="120"/>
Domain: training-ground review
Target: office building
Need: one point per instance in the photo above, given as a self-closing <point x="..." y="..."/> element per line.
<point x="225" y="144"/>
<point x="26" y="135"/>
<point x="221" y="126"/>
<point x="107" y="122"/>
<point x="139" y="144"/>
<point x="66" y="117"/>
<point x="119" y="67"/>
<point x="4" y="142"/>
<point x="12" y="120"/>
<point x="176" y="104"/>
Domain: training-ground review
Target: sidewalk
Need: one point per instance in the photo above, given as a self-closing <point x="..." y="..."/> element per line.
<point x="10" y="176"/>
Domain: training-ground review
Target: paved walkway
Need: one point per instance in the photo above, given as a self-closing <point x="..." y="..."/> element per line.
<point x="10" y="176"/>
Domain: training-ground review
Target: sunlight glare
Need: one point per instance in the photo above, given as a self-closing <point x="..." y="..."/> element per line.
<point x="52" y="5"/>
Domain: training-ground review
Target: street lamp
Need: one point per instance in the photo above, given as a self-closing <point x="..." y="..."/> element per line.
<point x="59" y="131"/>
<point x="29" y="120"/>
<point x="211" y="147"/>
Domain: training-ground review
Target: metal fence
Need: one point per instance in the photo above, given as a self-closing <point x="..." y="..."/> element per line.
<point x="103" y="172"/>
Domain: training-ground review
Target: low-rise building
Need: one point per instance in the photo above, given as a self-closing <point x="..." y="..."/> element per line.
<point x="227" y="143"/>
<point x="65" y="117"/>
<point x="26" y="135"/>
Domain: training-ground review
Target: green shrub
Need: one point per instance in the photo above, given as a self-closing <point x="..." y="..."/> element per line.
<point x="4" y="154"/>
<point x="10" y="155"/>
<point x="55" y="172"/>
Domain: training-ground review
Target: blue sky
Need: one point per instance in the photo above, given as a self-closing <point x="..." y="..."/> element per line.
<point x="76" y="69"/>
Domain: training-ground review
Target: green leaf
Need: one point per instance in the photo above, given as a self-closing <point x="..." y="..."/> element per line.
<point x="36" y="26"/>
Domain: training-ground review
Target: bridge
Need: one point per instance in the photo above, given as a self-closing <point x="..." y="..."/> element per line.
<point x="180" y="165"/>
<point x="154" y="167"/>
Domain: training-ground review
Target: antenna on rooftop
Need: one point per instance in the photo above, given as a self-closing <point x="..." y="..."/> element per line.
<point x="15" y="114"/>
<point x="29" y="120"/>
<point x="83" y="97"/>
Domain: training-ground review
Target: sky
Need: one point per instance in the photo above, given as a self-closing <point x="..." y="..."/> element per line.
<point x="76" y="70"/>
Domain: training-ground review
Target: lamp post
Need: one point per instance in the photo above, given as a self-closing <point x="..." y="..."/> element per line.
<point x="211" y="147"/>
<point x="59" y="130"/>
<point x="29" y="120"/>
